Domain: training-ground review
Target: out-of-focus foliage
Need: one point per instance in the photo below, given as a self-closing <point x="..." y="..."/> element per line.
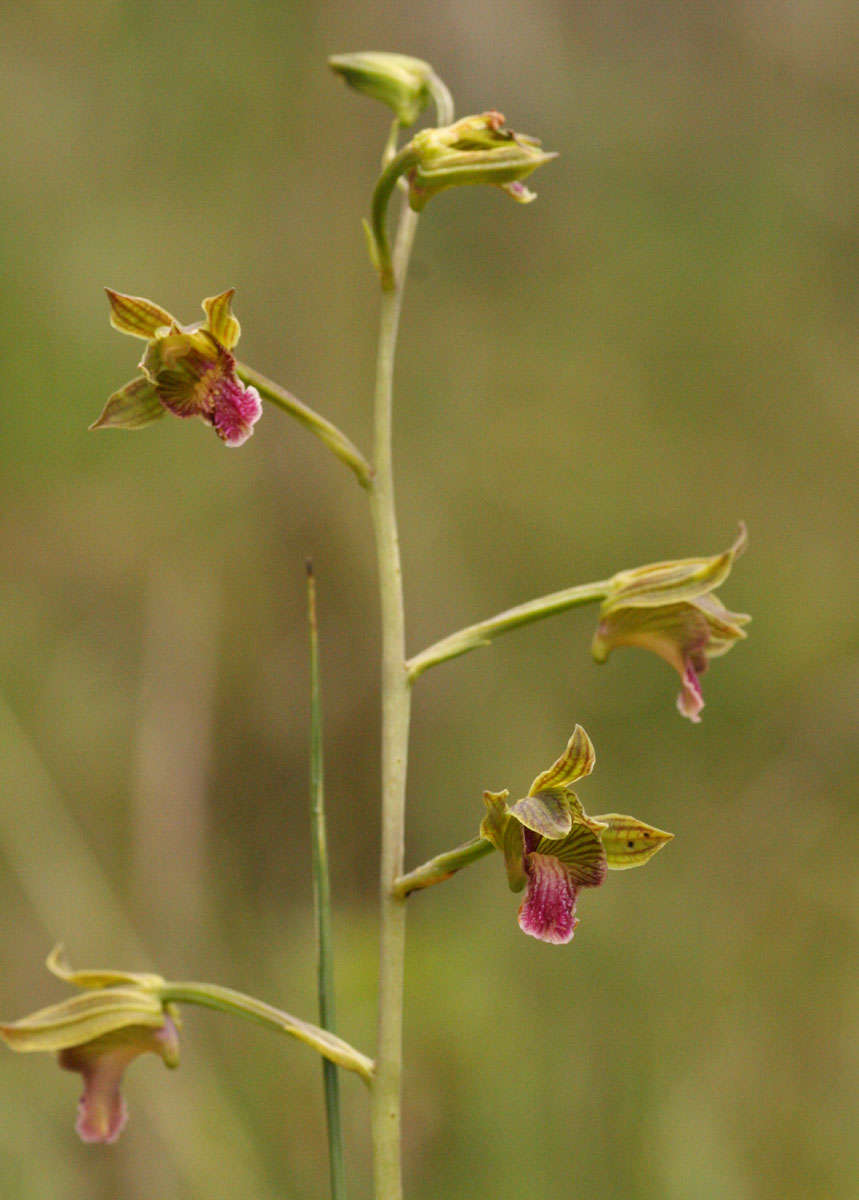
<point x="662" y="344"/>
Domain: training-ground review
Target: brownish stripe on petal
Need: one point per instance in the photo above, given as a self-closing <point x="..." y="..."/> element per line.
<point x="133" y="406"/>
<point x="219" y="319"/>
<point x="136" y="316"/>
<point x="577" y="760"/>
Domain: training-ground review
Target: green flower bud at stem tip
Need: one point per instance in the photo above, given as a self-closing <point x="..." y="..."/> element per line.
<point x="401" y="82"/>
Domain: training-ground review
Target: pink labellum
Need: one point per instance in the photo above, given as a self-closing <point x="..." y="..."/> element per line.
<point x="235" y="411"/>
<point x="690" y="701"/>
<point x="548" y="911"/>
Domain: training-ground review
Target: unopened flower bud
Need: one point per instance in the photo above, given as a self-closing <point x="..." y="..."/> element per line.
<point x="397" y="80"/>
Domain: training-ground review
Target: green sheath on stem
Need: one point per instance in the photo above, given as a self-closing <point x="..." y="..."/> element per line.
<point x="322" y="902"/>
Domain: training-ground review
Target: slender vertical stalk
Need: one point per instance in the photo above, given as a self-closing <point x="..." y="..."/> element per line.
<point x="322" y="903"/>
<point x="386" y="1086"/>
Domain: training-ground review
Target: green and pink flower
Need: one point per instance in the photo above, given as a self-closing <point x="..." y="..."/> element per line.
<point x="671" y="608"/>
<point x="187" y="370"/>
<point x="99" y="1032"/>
<point x="552" y="848"/>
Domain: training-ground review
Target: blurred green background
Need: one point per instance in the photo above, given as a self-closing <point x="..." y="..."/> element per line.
<point x="664" y="343"/>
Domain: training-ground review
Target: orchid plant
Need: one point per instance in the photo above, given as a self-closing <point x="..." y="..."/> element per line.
<point x="551" y="848"/>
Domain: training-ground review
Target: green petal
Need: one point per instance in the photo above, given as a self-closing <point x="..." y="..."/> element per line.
<point x="133" y="406"/>
<point x="137" y="316"/>
<point x="83" y="1018"/>
<point x="576" y="761"/>
<point x="497" y="818"/>
<point x="673" y="582"/>
<point x="219" y="319"/>
<point x="514" y="857"/>
<point x="629" y="842"/>
<point x="58" y="965"/>
<point x="580" y="817"/>
<point x="547" y="813"/>
<point x="506" y="835"/>
<point x="725" y="627"/>
<point x="669" y="630"/>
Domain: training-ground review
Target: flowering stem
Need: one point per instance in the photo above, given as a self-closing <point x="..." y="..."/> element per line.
<point x="483" y="632"/>
<point x="386" y="1085"/>
<point x="333" y="438"/>
<point x="322" y="903"/>
<point x="224" y="999"/>
<point x="391" y="144"/>
<point x="437" y="869"/>
<point x="395" y="164"/>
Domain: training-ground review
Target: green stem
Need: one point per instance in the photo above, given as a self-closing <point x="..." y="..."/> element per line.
<point x="437" y="869"/>
<point x="224" y="999"/>
<point x="333" y="438"/>
<point x="391" y="144"/>
<point x="386" y="1088"/>
<point x="378" y="229"/>
<point x="322" y="903"/>
<point x="395" y="165"/>
<point x="441" y="98"/>
<point x="483" y="632"/>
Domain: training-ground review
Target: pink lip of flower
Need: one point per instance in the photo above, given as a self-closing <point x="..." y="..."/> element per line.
<point x="102" y="1111"/>
<point x="556" y="871"/>
<point x="186" y="370"/>
<point x="672" y="610"/>
<point x="114" y="1018"/>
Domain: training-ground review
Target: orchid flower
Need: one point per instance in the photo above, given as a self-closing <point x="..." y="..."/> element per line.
<point x="553" y="849"/>
<point x="98" y="1032"/>
<point x="187" y="370"/>
<point x="671" y="608"/>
